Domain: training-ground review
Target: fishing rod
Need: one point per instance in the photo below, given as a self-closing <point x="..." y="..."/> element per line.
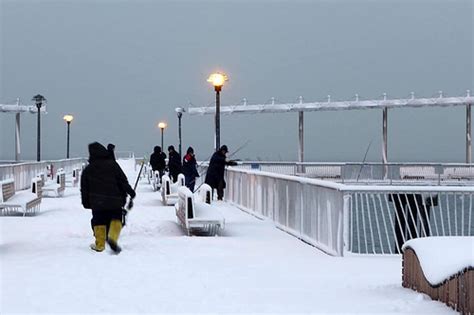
<point x="129" y="205"/>
<point x="363" y="162"/>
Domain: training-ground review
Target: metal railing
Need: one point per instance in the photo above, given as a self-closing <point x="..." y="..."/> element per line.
<point x="363" y="219"/>
<point x="23" y="173"/>
<point x="382" y="219"/>
<point x="124" y="154"/>
<point x="373" y="173"/>
<point x="309" y="209"/>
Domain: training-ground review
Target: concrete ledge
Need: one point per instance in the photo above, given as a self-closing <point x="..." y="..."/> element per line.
<point x="456" y="291"/>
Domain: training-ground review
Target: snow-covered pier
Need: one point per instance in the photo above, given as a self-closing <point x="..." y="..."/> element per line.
<point x="47" y="266"/>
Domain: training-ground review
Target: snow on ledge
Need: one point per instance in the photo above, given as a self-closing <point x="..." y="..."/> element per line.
<point x="442" y="257"/>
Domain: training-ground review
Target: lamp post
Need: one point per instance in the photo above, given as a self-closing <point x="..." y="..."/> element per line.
<point x="162" y="126"/>
<point x="68" y="119"/>
<point x="179" y="112"/>
<point x="39" y="99"/>
<point x="217" y="79"/>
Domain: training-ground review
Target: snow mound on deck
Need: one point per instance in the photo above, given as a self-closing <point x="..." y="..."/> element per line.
<point x="442" y="257"/>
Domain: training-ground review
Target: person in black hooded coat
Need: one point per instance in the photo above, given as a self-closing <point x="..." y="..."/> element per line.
<point x="104" y="189"/>
<point x="174" y="163"/>
<point x="158" y="160"/>
<point x="215" y="171"/>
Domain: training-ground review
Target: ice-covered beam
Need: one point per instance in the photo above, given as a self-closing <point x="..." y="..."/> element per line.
<point x="7" y="108"/>
<point x="17" y="109"/>
<point x="384" y="104"/>
<point x="332" y="106"/>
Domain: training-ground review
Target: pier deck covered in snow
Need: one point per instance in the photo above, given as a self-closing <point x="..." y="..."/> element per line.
<point x="47" y="267"/>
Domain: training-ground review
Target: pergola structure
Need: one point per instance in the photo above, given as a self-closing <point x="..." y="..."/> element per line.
<point x="383" y="104"/>
<point x="17" y="109"/>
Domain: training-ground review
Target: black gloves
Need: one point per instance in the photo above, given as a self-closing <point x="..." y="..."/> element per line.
<point x="129" y="205"/>
<point x="231" y="163"/>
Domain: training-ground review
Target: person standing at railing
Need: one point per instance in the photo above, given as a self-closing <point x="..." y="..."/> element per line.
<point x="216" y="169"/>
<point x="158" y="161"/>
<point x="104" y="189"/>
<point x="190" y="169"/>
<point x="412" y="216"/>
<point x="174" y="163"/>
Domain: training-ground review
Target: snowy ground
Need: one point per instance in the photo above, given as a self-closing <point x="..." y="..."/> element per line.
<point x="47" y="267"/>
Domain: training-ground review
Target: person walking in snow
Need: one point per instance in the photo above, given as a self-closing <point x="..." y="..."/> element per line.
<point x="174" y="163"/>
<point x="104" y="189"/>
<point x="190" y="169"/>
<point x="215" y="171"/>
<point x="111" y="149"/>
<point x="158" y="160"/>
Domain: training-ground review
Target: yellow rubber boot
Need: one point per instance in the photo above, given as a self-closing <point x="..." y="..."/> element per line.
<point x="100" y="232"/>
<point x="114" y="233"/>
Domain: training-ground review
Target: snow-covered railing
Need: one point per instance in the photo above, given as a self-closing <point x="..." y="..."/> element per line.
<point x="309" y="209"/>
<point x="363" y="219"/>
<point x="124" y="154"/>
<point x="382" y="218"/>
<point x="373" y="173"/>
<point x="23" y="173"/>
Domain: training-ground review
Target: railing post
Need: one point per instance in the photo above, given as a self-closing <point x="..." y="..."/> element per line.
<point x="346" y="224"/>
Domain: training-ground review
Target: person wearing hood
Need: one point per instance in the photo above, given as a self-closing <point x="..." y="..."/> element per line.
<point x="158" y="160"/>
<point x="174" y="163"/>
<point x="190" y="169"/>
<point x="215" y="171"/>
<point x="111" y="149"/>
<point x="104" y="189"/>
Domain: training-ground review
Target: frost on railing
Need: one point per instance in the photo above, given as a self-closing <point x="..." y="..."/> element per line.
<point x="23" y="173"/>
<point x="372" y="173"/>
<point x="381" y="222"/>
<point x="361" y="219"/>
<point x="311" y="212"/>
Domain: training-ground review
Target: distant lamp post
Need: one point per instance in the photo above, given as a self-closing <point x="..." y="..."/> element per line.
<point x="68" y="119"/>
<point x="162" y="126"/>
<point x="39" y="100"/>
<point x="218" y="79"/>
<point x="179" y="112"/>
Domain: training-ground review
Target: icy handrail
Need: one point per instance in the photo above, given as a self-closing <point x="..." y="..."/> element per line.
<point x="351" y="188"/>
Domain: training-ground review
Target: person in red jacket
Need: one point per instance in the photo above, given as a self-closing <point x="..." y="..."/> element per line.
<point x="190" y="169"/>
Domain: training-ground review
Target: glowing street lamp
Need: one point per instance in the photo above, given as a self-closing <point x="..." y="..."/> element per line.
<point x="68" y="119"/>
<point x="179" y="112"/>
<point x="217" y="80"/>
<point x="39" y="99"/>
<point x="162" y="125"/>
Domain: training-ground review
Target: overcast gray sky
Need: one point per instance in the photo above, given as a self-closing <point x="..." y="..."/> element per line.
<point x="121" y="66"/>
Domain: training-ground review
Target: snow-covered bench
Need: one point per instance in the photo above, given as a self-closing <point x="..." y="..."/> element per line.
<point x="169" y="191"/>
<point x="459" y="173"/>
<point x="76" y="175"/>
<point x="56" y="187"/>
<point x="322" y="172"/>
<point x="27" y="201"/>
<point x="197" y="217"/>
<point x="443" y="268"/>
<point x="155" y="180"/>
<point x="418" y="173"/>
